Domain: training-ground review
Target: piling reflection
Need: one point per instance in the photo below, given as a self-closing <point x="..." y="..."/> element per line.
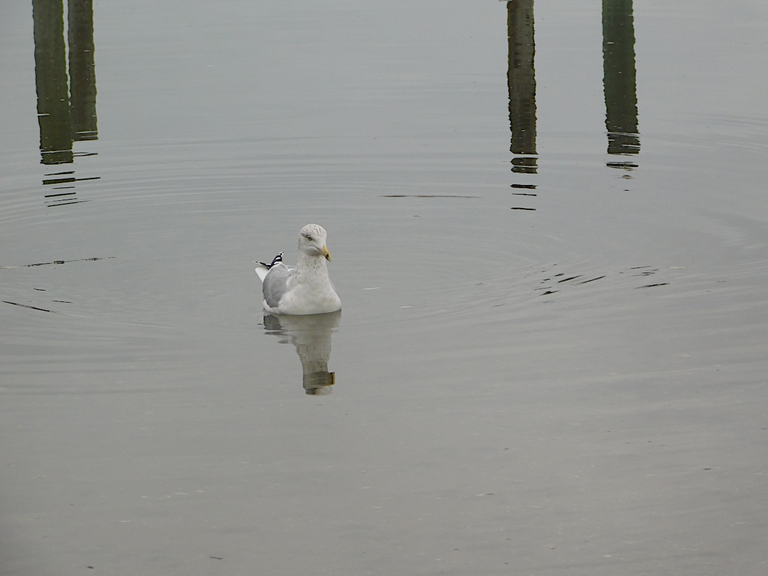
<point x="619" y="80"/>
<point x="82" y="70"/>
<point x="311" y="335"/>
<point x="52" y="84"/>
<point x="619" y="83"/>
<point x="521" y="81"/>
<point x="66" y="94"/>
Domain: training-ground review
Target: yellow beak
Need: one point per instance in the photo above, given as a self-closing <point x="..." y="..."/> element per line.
<point x="326" y="253"/>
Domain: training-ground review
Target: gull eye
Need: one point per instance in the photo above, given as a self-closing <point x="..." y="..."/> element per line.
<point x="308" y="237"/>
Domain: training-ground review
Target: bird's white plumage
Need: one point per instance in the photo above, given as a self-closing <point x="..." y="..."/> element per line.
<point x="306" y="288"/>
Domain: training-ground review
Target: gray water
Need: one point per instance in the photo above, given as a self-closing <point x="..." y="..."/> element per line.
<point x="549" y="231"/>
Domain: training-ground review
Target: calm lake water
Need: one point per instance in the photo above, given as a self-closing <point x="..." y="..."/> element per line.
<point x="549" y="228"/>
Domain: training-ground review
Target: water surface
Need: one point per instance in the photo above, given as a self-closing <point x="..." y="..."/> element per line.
<point x="548" y="226"/>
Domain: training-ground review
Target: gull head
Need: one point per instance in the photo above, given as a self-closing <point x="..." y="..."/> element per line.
<point x="312" y="241"/>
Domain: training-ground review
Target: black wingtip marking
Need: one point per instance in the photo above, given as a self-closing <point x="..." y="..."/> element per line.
<point x="276" y="260"/>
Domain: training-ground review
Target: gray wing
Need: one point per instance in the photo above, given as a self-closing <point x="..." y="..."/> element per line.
<point x="275" y="284"/>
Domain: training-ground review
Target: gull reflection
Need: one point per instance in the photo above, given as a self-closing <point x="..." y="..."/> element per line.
<point x="311" y="335"/>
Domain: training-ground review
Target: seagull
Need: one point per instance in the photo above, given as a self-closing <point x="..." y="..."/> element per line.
<point x="305" y="289"/>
